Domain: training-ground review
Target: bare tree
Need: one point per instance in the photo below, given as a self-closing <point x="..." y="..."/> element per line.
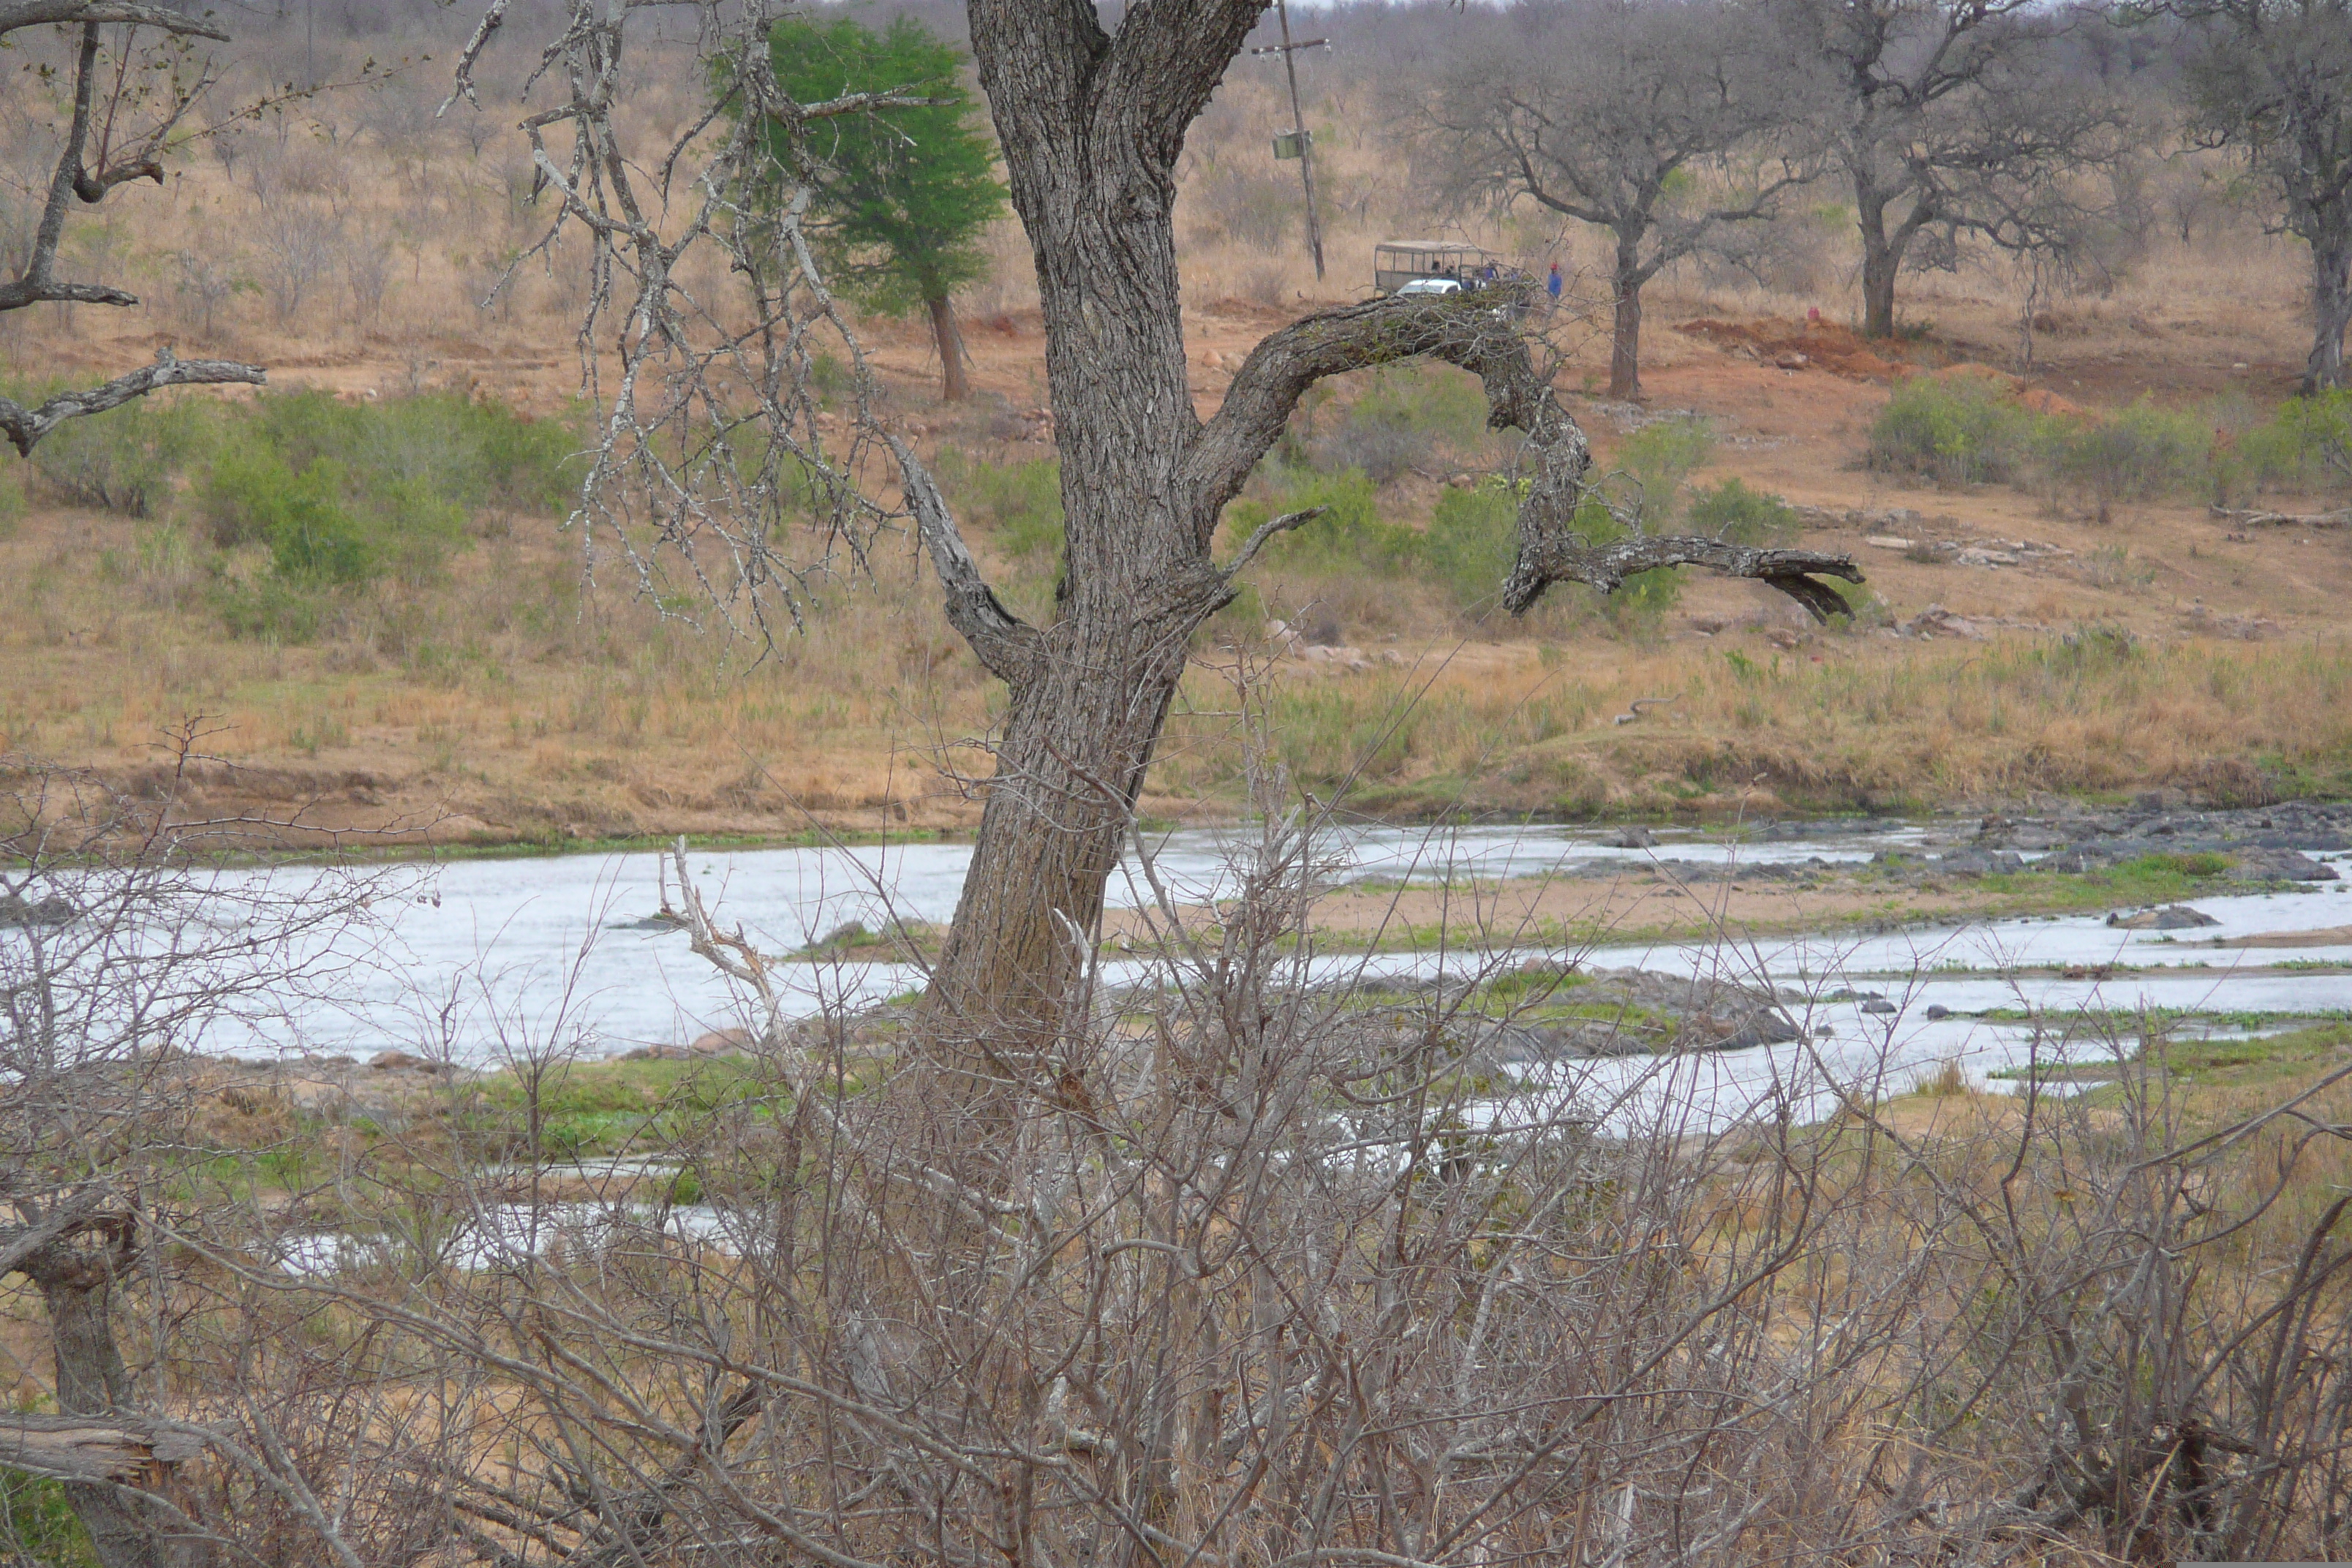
<point x="1655" y="123"/>
<point x="299" y="246"/>
<point x="2276" y="80"/>
<point x="127" y="103"/>
<point x="1949" y="118"/>
<point x="124" y="945"/>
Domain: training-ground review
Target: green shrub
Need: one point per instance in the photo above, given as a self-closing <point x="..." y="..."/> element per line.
<point x="1020" y="504"/>
<point x="2141" y="453"/>
<point x="438" y="448"/>
<point x="1473" y="540"/>
<point x="1656" y="462"/>
<point x="1731" y="510"/>
<point x="1959" y="432"/>
<point x="40" y="1524"/>
<point x="2306" y="443"/>
<point x="1351" y="537"/>
<point x="342" y="493"/>
<point x="125" y="460"/>
<point x="313" y="538"/>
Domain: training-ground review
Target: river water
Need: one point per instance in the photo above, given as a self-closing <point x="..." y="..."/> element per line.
<point x="485" y="960"/>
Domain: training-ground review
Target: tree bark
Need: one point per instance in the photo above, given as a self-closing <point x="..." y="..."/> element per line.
<point x="1881" y="260"/>
<point x="76" y="1283"/>
<point x="2331" y="311"/>
<point x="953" y="384"/>
<point x="1626" y="343"/>
<point x="1090" y="130"/>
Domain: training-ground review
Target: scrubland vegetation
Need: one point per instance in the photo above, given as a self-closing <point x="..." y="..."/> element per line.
<point x="1242" y="1265"/>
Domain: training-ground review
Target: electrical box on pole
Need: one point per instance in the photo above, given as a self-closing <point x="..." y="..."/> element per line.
<point x="1296" y="142"/>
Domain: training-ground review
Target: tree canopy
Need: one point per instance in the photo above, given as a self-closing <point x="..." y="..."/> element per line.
<point x="901" y="195"/>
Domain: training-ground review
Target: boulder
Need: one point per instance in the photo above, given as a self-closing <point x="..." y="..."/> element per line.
<point x="1981" y="863"/>
<point x="1880" y="1007"/>
<point x="1631" y="838"/>
<point x="1938" y="1010"/>
<point x="2172" y="916"/>
<point x="1936" y="621"/>
<point x="18" y="911"/>
<point x="400" y="1061"/>
<point x="2279" y="866"/>
<point x="721" y="1043"/>
<point x="1765" y="1027"/>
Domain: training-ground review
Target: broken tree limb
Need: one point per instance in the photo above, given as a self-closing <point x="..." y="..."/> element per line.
<point x="2340" y="518"/>
<point x="123" y="1449"/>
<point x="1005" y="642"/>
<point x="25" y="427"/>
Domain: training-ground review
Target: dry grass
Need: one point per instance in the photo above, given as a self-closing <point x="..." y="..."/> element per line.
<point x="535" y="708"/>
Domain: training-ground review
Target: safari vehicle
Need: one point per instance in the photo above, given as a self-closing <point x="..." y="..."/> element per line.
<point x="1397" y="262"/>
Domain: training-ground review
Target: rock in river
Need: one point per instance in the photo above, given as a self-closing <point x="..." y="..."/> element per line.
<point x="2172" y="916"/>
<point x="2279" y="866"/>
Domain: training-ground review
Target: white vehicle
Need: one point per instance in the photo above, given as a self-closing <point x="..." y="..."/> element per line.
<point x="1431" y="286"/>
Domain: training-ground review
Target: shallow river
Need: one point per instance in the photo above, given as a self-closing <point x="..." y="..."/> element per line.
<point x="484" y="959"/>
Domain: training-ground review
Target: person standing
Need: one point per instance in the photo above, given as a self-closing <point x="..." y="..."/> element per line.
<point x="1552" y="285"/>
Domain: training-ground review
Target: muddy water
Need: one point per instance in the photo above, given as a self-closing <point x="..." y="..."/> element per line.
<point x="484" y="959"/>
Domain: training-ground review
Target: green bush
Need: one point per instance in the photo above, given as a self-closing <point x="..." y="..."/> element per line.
<point x="342" y="493"/>
<point x="1472" y="538"/>
<point x="2306" y="444"/>
<point x="1654" y="463"/>
<point x="1731" y="510"/>
<point x="40" y="1524"/>
<point x="1351" y="537"/>
<point x="254" y="497"/>
<point x="125" y="460"/>
<point x="1020" y="504"/>
<point x="1401" y="419"/>
<point x="2142" y="453"/>
<point x="1959" y="432"/>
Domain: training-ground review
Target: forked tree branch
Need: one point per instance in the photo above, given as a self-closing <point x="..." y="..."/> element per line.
<point x="92" y="1450"/>
<point x="25" y="427"/>
<point x="1005" y="643"/>
<point x="1476" y="333"/>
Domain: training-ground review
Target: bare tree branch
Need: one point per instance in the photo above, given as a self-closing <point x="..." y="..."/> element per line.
<point x="1005" y="643"/>
<point x="42" y="13"/>
<point x="1473" y="332"/>
<point x="25" y="427"/>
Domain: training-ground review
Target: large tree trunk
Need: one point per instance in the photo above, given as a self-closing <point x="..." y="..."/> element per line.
<point x="1091" y="128"/>
<point x="2331" y="310"/>
<point x="1625" y="344"/>
<point x="1138" y="579"/>
<point x="953" y="386"/>
<point x="76" y="1281"/>
<point x="1881" y="260"/>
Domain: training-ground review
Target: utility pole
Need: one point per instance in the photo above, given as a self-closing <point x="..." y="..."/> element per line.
<point x="1287" y="49"/>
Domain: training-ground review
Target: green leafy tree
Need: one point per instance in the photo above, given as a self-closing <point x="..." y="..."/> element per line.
<point x="902" y="195"/>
